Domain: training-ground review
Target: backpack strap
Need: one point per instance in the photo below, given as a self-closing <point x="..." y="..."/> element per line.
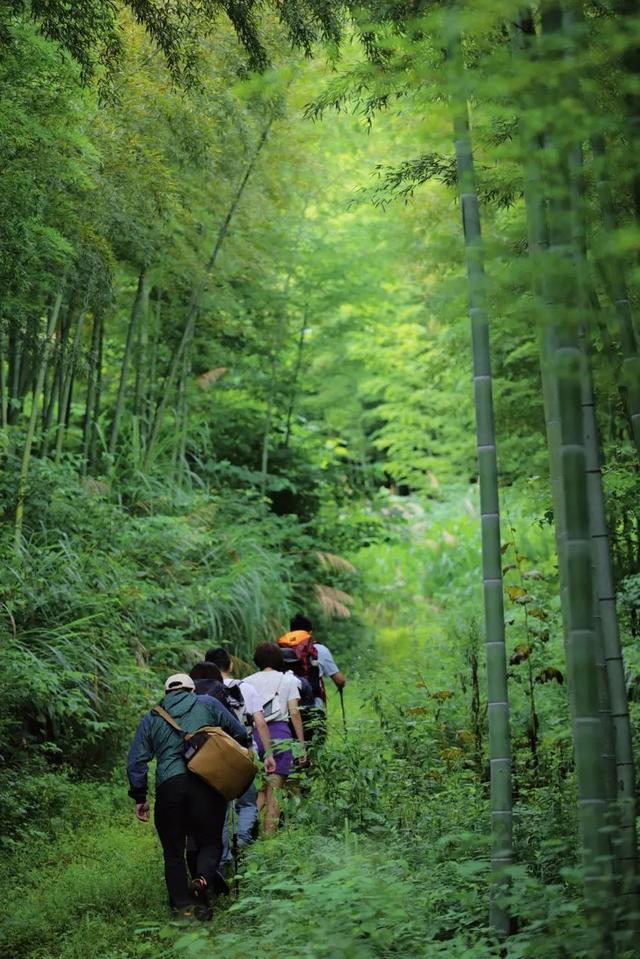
<point x="159" y="711"/>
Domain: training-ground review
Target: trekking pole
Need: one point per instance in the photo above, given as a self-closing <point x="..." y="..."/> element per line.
<point x="344" y="715"/>
<point x="234" y="848"/>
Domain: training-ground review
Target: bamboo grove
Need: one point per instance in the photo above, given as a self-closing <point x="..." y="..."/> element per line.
<point x="535" y="77"/>
<point x="532" y="109"/>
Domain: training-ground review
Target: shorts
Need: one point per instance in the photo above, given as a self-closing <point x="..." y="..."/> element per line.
<point x="281" y="739"/>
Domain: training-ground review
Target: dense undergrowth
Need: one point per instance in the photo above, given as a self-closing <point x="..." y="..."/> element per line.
<point x="114" y="592"/>
<point x="387" y="856"/>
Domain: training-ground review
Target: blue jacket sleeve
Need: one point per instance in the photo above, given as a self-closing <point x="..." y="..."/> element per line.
<point x="140" y="755"/>
<point x="222" y="717"/>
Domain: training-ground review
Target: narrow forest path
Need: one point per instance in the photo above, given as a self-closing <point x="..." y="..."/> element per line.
<point x="374" y="863"/>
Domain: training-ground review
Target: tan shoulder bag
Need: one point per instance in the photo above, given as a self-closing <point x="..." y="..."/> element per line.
<point x="216" y="757"/>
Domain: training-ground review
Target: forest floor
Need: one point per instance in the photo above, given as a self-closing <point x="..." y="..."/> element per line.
<point x="98" y="890"/>
<point x="387" y="857"/>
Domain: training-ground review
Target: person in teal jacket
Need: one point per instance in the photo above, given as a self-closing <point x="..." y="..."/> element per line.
<point x="184" y="803"/>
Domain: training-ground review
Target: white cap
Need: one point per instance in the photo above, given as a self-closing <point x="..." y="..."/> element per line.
<point x="179" y="681"/>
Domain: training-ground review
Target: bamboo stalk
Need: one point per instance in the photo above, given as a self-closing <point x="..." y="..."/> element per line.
<point x="61" y="333"/>
<point x="126" y="359"/>
<point x="139" y="394"/>
<point x="93" y="446"/>
<point x="196" y="299"/>
<point x="66" y="388"/>
<point x="620" y="782"/>
<point x="14" y="358"/>
<point x="565" y="367"/>
<point x="618" y="291"/>
<point x="497" y="697"/>
<point x="3" y="383"/>
<point x="28" y="444"/>
<point x="296" y="374"/>
<point x="90" y="404"/>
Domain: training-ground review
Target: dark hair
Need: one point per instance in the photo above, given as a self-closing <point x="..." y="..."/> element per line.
<point x="269" y="654"/>
<point x="220" y="657"/>
<point x="299" y="621"/>
<point x="206" y="671"/>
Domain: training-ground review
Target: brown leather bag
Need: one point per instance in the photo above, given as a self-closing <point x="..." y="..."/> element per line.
<point x="215" y="757"/>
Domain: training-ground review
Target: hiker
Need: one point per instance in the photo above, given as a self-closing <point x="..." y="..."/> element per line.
<point x="184" y="803"/>
<point x="279" y="698"/>
<point x="208" y="682"/>
<point x="244" y="702"/>
<point x="312" y="661"/>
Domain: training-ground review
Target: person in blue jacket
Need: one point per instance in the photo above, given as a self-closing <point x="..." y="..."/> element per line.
<point x="184" y="803"/>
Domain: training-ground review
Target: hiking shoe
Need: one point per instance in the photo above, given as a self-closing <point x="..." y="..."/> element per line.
<point x="220" y="885"/>
<point x="203" y="913"/>
<point x="183" y="913"/>
<point x="198" y="889"/>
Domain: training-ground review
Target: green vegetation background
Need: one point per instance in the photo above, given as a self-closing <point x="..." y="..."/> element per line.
<point x="316" y="452"/>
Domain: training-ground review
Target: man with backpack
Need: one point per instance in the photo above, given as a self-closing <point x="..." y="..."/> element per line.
<point x="244" y="702"/>
<point x="311" y="662"/>
<point x="185" y="804"/>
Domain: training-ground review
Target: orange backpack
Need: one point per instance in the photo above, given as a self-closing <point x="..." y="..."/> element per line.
<point x="301" y="644"/>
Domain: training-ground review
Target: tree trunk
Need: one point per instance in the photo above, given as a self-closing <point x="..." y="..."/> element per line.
<point x="618" y="758"/>
<point x="629" y="9"/>
<point x="89" y="423"/>
<point x="14" y="357"/>
<point x="565" y="365"/>
<point x="28" y="444"/>
<point x="139" y="394"/>
<point x="498" y="705"/>
<point x="617" y="285"/>
<point x="4" y="399"/>
<point x="66" y="387"/>
<point x="196" y="298"/>
<point x="156" y="331"/>
<point x="126" y="359"/>
<point x="626" y="841"/>
<point x="95" y="432"/>
<point x="182" y="418"/>
<point x="55" y="393"/>
<point x="295" y="377"/>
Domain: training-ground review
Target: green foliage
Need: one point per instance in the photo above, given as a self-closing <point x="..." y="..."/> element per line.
<point x="110" y="597"/>
<point x="296" y="392"/>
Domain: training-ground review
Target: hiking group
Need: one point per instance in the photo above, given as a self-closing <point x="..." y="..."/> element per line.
<point x="204" y="736"/>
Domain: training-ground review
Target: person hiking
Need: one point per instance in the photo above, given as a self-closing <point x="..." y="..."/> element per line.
<point x="279" y="698"/>
<point x="248" y="710"/>
<point x="184" y="803"/>
<point x="314" y="663"/>
<point x="208" y="681"/>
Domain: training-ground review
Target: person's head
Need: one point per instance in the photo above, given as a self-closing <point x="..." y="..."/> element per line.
<point x="269" y="656"/>
<point x="221" y="658"/>
<point x="300" y="622"/>
<point x="206" y="671"/>
<point x="179" y="683"/>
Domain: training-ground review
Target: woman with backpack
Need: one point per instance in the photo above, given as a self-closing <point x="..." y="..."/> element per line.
<point x="279" y="696"/>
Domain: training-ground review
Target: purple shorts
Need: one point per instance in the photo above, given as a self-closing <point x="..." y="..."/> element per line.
<point x="281" y="739"/>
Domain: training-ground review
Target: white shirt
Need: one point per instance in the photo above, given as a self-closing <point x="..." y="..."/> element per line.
<point x="251" y="699"/>
<point x="268" y="682"/>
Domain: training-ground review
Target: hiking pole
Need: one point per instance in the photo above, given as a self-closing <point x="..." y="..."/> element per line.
<point x="344" y="715"/>
<point x="234" y="847"/>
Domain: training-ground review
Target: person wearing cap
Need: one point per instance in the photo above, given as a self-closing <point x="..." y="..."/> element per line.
<point x="184" y="803"/>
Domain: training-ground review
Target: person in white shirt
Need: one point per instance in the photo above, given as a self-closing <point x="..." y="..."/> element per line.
<point x="279" y="697"/>
<point x="251" y="715"/>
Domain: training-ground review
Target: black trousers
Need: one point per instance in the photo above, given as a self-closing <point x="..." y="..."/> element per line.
<point x="185" y="805"/>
